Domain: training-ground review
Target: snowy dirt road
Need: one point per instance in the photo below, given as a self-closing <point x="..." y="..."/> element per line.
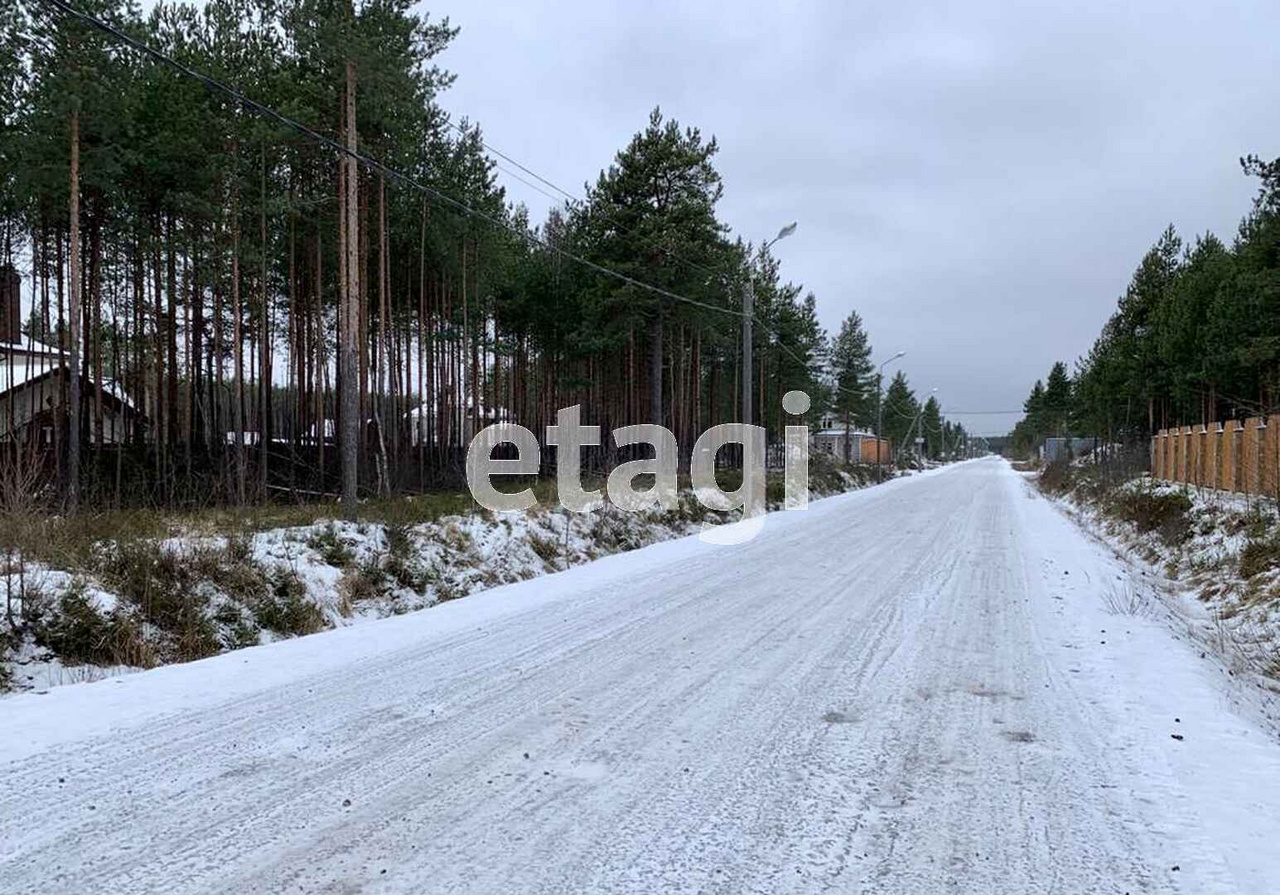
<point x="914" y="688"/>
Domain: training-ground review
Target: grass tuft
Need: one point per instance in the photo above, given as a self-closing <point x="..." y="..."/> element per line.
<point x="332" y="549"/>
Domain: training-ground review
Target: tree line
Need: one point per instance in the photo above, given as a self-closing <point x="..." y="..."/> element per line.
<point x="272" y="300"/>
<point x="1195" y="337"/>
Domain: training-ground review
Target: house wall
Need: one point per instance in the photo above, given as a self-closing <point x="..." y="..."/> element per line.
<point x="18" y="406"/>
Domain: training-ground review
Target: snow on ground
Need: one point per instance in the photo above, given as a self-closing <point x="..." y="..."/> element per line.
<point x="1200" y="564"/>
<point x="260" y="587"/>
<point x="915" y="688"/>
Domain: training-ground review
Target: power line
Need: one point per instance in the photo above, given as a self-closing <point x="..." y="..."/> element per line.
<point x="459" y="205"/>
<point x="370" y="162"/>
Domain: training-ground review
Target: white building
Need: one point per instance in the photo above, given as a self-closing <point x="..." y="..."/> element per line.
<point x="33" y="386"/>
<point x="832" y="436"/>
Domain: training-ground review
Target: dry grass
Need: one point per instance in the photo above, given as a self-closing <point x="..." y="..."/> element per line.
<point x="1164" y="512"/>
<point x="1128" y="601"/>
<point x="1260" y="555"/>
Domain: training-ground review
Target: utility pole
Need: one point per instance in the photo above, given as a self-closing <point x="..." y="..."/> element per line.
<point x="880" y="416"/>
<point x="748" y="314"/>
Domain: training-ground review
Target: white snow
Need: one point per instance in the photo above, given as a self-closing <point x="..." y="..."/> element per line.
<point x="914" y="688"/>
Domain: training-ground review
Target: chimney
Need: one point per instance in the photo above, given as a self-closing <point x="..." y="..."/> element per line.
<point x="10" y="304"/>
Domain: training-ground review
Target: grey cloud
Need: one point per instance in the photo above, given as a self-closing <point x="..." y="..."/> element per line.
<point x="978" y="179"/>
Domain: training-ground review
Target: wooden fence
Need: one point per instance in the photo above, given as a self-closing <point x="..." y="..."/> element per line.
<point x="1231" y="456"/>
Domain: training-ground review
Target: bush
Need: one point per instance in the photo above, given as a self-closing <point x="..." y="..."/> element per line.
<point x="1056" y="478"/>
<point x="163" y="585"/>
<point x="401" y="565"/>
<point x="407" y="573"/>
<point x="546" y="546"/>
<point x="284" y="607"/>
<point x="332" y="549"/>
<point x="79" y="634"/>
<point x="775" y="491"/>
<point x="824" y="474"/>
<point x="363" y="582"/>
<point x="1164" y="512"/>
<point x="1259" y="556"/>
<point x="399" y="543"/>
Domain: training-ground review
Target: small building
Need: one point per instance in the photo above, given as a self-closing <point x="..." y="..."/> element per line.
<point x="33" y="390"/>
<point x="862" y="446"/>
<point x="423" y="420"/>
<point x="1056" y="448"/>
<point x="34" y="382"/>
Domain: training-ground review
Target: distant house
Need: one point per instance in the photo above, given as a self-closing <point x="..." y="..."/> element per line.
<point x="1055" y="448"/>
<point x="34" y="380"/>
<point x="863" y="446"/>
<point x="422" y="422"/>
<point x="33" y="389"/>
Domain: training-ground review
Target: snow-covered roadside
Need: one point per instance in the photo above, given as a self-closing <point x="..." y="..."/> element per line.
<point x="1193" y="735"/>
<point x="1186" y="575"/>
<point x="42" y="719"/>
<point x="258" y="588"/>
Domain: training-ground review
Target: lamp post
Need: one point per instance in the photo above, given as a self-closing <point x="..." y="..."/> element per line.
<point x="880" y="416"/>
<point x="748" y="315"/>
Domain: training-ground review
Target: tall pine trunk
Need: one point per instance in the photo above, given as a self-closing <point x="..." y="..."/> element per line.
<point x="73" y="366"/>
<point x="350" y="312"/>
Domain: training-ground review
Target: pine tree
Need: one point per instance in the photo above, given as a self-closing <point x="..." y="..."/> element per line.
<point x="900" y="411"/>
<point x="654" y="206"/>
<point x="853" y="375"/>
<point x="1055" y="403"/>
<point x="931" y="428"/>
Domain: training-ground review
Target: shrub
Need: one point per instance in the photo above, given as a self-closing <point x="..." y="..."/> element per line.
<point x="239" y="548"/>
<point x="332" y="549"/>
<point x="775" y="491"/>
<point x="79" y="634"/>
<point x="363" y="582"/>
<point x="1056" y="478"/>
<point x="448" y="589"/>
<point x="1164" y="512"/>
<point x="398" y="541"/>
<point x="1254" y="523"/>
<point x="824" y="474"/>
<point x="546" y="546"/>
<point x="401" y="565"/>
<point x="1259" y="556"/>
<point x="238" y="625"/>
<point x="407" y="573"/>
<point x="284" y="607"/>
<point x="162" y="584"/>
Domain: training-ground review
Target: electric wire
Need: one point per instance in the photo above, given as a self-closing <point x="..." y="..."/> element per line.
<point x="370" y="162"/>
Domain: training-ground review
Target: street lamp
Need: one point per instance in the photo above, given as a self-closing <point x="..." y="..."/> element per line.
<point x="880" y="415"/>
<point x="748" y="315"/>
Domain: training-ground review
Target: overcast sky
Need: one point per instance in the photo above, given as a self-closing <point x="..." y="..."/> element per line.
<point x="977" y="179"/>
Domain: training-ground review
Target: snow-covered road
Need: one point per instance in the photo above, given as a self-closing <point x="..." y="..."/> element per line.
<point x="913" y="688"/>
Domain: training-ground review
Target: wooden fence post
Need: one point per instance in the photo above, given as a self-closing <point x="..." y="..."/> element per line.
<point x="1174" y="438"/>
<point x="1249" y="454"/>
<point x="1271" y="456"/>
<point x="1195" y="461"/>
<point x="1184" y="448"/>
<point x="1231" y="455"/>
<point x="1212" y="455"/>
